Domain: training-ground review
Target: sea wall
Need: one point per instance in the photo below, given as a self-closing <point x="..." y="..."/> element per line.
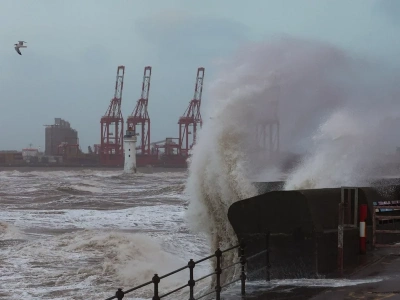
<point x="302" y="227"/>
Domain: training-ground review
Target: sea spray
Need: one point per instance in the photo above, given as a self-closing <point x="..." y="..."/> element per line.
<point x="319" y="84"/>
<point x="337" y="148"/>
<point x="225" y="155"/>
<point x="220" y="178"/>
<point x="351" y="147"/>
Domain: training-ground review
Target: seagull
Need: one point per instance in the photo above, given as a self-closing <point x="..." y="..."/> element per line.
<point x="19" y="45"/>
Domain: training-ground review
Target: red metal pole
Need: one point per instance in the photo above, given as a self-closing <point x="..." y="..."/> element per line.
<point x="363" y="232"/>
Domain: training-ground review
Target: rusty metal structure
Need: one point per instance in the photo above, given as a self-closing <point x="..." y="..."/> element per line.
<point x="139" y="120"/>
<point x="140" y="116"/>
<point x="191" y="119"/>
<point x="171" y="152"/>
<point x="112" y="127"/>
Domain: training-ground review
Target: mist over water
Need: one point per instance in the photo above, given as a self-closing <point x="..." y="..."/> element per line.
<point x="339" y="111"/>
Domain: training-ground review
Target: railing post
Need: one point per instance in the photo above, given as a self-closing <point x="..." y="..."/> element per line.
<point x="267" y="263"/>
<point x="119" y="294"/>
<point x="156" y="281"/>
<point x="218" y="271"/>
<point x="191" y="281"/>
<point x="242" y="263"/>
<point x="374" y="226"/>
<point x="340" y="238"/>
<point x="316" y="240"/>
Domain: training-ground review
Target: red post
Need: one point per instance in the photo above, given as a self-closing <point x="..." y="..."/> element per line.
<point x="363" y="231"/>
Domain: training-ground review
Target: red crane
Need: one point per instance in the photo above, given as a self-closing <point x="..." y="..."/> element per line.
<point x="140" y="115"/>
<point x="112" y="127"/>
<point x="192" y="117"/>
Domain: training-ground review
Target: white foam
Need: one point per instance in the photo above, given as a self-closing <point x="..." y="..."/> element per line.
<point x="9" y="232"/>
<point x="116" y="248"/>
<point x="123" y="260"/>
<point x="160" y="217"/>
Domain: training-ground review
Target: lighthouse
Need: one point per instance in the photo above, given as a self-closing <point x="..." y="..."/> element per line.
<point x="130" y="151"/>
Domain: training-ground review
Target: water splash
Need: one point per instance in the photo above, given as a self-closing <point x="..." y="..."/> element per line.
<point x="329" y="106"/>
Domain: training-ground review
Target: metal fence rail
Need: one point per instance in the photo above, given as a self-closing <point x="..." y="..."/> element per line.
<point x="191" y="283"/>
<point x="381" y="218"/>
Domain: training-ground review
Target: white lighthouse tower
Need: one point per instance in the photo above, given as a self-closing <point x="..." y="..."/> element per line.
<point x="130" y="151"/>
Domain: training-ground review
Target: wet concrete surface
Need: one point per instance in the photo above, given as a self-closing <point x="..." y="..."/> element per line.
<point x="387" y="269"/>
<point x="378" y="279"/>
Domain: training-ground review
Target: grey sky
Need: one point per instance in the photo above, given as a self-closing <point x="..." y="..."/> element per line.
<point x="75" y="46"/>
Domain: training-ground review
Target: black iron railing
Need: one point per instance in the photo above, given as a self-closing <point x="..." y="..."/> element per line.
<point x="191" y="283"/>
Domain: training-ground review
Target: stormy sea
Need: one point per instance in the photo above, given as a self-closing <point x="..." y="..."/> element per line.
<point x="82" y="234"/>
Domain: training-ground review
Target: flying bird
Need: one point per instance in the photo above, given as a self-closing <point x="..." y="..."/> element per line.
<point x="19" y="45"/>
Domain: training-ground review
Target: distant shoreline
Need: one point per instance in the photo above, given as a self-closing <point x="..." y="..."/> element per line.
<point x="99" y="168"/>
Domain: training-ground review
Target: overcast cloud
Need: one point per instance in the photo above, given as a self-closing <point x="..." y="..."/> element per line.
<point x="75" y="46"/>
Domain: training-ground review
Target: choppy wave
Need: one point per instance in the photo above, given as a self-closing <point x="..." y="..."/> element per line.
<point x="73" y="190"/>
<point x="100" y="259"/>
<point x="9" y="232"/>
<point x="82" y="234"/>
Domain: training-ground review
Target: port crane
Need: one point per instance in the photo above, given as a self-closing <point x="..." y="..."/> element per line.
<point x="112" y="126"/>
<point x="191" y="118"/>
<point x="140" y="116"/>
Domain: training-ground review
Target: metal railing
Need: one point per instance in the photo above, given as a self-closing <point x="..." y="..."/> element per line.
<point x="382" y="218"/>
<point x="191" y="283"/>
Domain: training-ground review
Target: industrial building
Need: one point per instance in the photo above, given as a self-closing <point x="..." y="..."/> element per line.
<point x="11" y="157"/>
<point x="61" y="149"/>
<point x="60" y="133"/>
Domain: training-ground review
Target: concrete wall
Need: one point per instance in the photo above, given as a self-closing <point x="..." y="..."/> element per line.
<point x="303" y="229"/>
